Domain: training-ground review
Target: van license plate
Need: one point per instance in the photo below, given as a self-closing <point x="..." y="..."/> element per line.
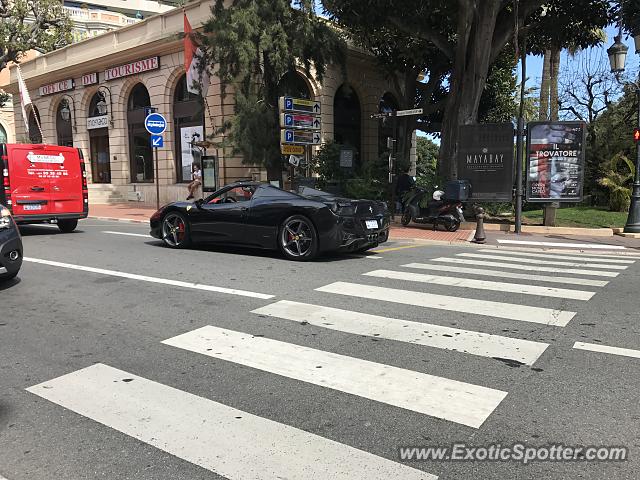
<point x="371" y="224"/>
<point x="33" y="207"/>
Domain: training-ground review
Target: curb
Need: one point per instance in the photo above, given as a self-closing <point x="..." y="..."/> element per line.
<point x="113" y="219"/>
<point x="540" y="229"/>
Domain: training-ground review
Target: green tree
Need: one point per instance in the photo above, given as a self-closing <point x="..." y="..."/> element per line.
<point x="250" y="45"/>
<point x="618" y="179"/>
<point x="31" y="25"/>
<point x="466" y="37"/>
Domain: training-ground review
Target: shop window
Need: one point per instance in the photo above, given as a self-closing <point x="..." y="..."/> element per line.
<point x="188" y="119"/>
<point x="347" y="120"/>
<point x="35" y="136"/>
<point x="99" y="140"/>
<point x="63" y="124"/>
<point x="140" y="151"/>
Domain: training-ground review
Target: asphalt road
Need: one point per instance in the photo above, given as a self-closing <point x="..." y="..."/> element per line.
<point x="89" y="390"/>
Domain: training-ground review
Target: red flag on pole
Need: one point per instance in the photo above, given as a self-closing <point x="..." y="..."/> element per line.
<point x="197" y="76"/>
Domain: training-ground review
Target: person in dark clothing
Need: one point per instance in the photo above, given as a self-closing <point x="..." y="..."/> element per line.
<point x="403" y="185"/>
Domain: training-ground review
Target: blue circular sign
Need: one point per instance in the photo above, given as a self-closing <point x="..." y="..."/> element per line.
<point x="155" y="124"/>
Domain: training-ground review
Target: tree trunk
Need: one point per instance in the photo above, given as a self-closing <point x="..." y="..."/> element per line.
<point x="553" y="88"/>
<point x="544" y="87"/>
<point x="471" y="65"/>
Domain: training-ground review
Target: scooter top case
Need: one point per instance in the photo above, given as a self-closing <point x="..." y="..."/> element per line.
<point x="457" y="190"/>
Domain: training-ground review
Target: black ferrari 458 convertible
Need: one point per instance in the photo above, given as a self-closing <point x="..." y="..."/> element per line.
<point x="253" y="214"/>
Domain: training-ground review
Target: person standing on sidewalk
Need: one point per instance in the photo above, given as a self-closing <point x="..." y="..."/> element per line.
<point x="196" y="180"/>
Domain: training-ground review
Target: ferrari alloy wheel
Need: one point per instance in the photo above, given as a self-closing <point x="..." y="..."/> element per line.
<point x="175" y="230"/>
<point x="298" y="239"/>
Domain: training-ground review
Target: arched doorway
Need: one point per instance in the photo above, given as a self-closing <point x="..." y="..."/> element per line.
<point x="347" y="120"/>
<point x="35" y="136"/>
<point x="97" y="125"/>
<point x="140" y="152"/>
<point x="386" y="125"/>
<point x="188" y="120"/>
<point x="64" y="118"/>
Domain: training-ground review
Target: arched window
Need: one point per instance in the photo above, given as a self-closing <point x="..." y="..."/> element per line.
<point x="188" y="119"/>
<point x="64" y="118"/>
<point x="140" y="152"/>
<point x="386" y="125"/>
<point x="3" y="135"/>
<point x="35" y="136"/>
<point x="292" y="84"/>
<point x="347" y="119"/>
<point x="97" y="124"/>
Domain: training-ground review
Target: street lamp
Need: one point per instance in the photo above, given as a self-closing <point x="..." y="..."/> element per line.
<point x="102" y="109"/>
<point x="617" y="57"/>
<point x="65" y="112"/>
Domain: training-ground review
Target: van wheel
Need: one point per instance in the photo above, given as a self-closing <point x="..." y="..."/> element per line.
<point x="67" y="226"/>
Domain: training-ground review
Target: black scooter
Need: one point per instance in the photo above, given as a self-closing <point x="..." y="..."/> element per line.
<point x="447" y="213"/>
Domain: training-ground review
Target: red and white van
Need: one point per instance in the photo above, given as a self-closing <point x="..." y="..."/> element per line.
<point x="44" y="183"/>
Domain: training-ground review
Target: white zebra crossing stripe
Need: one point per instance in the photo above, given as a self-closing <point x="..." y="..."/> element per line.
<point x="594" y="347"/>
<point x="221" y="439"/>
<point x="436" y="336"/>
<point x="560" y="256"/>
<point x="511" y="311"/>
<point x="537" y="268"/>
<point x="503" y="274"/>
<point x="483" y="284"/>
<point x="537" y="262"/>
<point x="564" y="245"/>
<point x="443" y="398"/>
<point x="145" y="278"/>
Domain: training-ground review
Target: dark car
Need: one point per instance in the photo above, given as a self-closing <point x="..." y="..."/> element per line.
<point x="253" y="214"/>
<point x="10" y="246"/>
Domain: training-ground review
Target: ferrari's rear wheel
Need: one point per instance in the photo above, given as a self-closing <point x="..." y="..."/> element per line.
<point x="175" y="230"/>
<point x="298" y="239"/>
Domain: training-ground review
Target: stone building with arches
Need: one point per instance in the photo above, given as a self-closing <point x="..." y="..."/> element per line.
<point x="94" y="95"/>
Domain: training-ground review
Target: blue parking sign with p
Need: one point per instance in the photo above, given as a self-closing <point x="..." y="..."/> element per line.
<point x="288" y="135"/>
<point x="288" y="103"/>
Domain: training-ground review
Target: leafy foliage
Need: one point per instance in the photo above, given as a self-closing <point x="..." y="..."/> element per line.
<point x="460" y="41"/>
<point x="618" y="179"/>
<point x="31" y="25"/>
<point x="250" y="45"/>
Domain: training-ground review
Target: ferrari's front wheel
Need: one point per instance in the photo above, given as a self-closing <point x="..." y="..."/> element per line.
<point x="175" y="230"/>
<point x="298" y="239"/>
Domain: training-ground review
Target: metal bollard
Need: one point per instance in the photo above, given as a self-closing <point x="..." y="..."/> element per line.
<point x="479" y="236"/>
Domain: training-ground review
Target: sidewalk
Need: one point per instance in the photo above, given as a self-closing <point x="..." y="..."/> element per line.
<point x="134" y="213"/>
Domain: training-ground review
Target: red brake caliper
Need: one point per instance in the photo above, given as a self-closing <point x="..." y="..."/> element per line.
<point x="180" y="231"/>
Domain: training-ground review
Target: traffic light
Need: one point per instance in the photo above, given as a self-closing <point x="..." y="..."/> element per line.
<point x="636" y="135"/>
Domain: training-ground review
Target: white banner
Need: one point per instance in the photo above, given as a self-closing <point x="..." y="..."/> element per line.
<point x="189" y="152"/>
<point x="97" y="122"/>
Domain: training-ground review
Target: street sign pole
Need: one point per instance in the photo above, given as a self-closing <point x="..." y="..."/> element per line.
<point x="156" y="125"/>
<point x="157" y="179"/>
<point x="519" y="143"/>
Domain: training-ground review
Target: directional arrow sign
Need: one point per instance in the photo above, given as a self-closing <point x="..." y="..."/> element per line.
<point x="290" y="104"/>
<point x="295" y="120"/>
<point x="157" y="141"/>
<point x="303" y="137"/>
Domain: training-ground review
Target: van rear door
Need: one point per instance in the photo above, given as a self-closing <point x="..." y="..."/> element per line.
<point x="29" y="180"/>
<point x="67" y="184"/>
